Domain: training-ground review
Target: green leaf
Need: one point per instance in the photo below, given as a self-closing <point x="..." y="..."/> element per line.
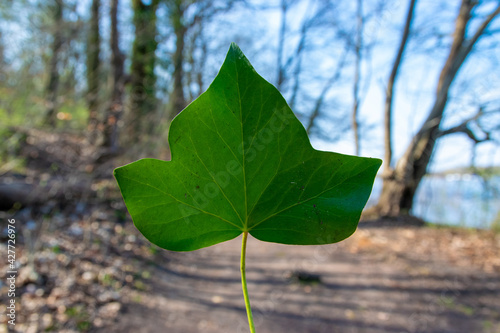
<point x="241" y="161"/>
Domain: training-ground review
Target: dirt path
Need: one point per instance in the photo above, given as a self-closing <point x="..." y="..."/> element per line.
<point x="83" y="267"/>
<point x="95" y="275"/>
<point x="365" y="286"/>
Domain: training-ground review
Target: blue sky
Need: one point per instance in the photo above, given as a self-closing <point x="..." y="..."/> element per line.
<point x="478" y="81"/>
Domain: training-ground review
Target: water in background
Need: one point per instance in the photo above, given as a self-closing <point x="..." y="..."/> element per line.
<point x="456" y="199"/>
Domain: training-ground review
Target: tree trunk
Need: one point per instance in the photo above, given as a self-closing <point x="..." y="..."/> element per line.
<point x="390" y="89"/>
<point x="399" y="188"/>
<point x="115" y="108"/>
<point x="4" y="69"/>
<point x="93" y="51"/>
<point x="142" y="76"/>
<point x="280" y="77"/>
<point x="2" y="57"/>
<point x="194" y="79"/>
<point x="53" y="81"/>
<point x="178" y="98"/>
<point x="199" y="75"/>
<point x="357" y="69"/>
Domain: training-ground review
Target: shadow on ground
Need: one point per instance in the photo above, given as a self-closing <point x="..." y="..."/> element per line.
<point x="201" y="291"/>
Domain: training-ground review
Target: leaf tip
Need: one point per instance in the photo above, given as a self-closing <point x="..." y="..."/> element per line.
<point x="115" y="172"/>
<point x="235" y="50"/>
<point x="234" y="47"/>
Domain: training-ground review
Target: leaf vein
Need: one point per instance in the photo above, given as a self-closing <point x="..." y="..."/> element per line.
<point x="181" y="202"/>
<point x="306" y="200"/>
<point x="220" y="188"/>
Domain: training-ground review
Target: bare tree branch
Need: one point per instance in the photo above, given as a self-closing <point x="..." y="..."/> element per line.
<point x="297" y="56"/>
<point x="319" y="101"/>
<point x="464" y="127"/>
<point x="482" y="28"/>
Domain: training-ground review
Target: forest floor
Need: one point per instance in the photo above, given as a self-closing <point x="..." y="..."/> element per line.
<point x="83" y="267"/>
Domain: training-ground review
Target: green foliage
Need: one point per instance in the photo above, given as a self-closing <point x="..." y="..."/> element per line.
<point x="242" y="162"/>
<point x="74" y="116"/>
<point x="17" y="109"/>
<point x="56" y="249"/>
<point x="80" y="316"/>
<point x="9" y="151"/>
<point x="495" y="225"/>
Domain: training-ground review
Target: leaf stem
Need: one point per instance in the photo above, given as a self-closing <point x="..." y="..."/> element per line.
<point x="244" y="282"/>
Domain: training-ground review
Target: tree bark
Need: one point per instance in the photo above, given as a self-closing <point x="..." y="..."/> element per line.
<point x="115" y="108"/>
<point x="142" y="77"/>
<point x="199" y="75"/>
<point x="390" y="90"/>
<point x="184" y="17"/>
<point x="93" y="64"/>
<point x="280" y="77"/>
<point x="180" y="29"/>
<point x="53" y="81"/>
<point x="2" y="57"/>
<point x="399" y="190"/>
<point x="357" y="69"/>
<point x="4" y="69"/>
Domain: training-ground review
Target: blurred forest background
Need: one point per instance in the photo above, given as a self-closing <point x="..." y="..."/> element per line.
<point x="86" y="86"/>
<point x="414" y="83"/>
